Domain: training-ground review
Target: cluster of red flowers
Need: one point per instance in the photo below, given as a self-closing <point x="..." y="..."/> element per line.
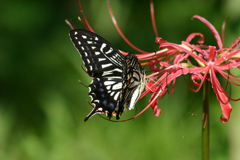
<point x="173" y="60"/>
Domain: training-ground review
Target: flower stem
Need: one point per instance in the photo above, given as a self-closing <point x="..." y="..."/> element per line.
<point x="205" y="124"/>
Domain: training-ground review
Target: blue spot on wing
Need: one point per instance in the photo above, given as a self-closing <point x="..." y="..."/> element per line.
<point x="105" y="102"/>
<point x="111" y="105"/>
<point x="101" y="90"/>
<point x="103" y="95"/>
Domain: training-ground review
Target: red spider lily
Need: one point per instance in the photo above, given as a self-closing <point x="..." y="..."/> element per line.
<point x="211" y="61"/>
<point x="173" y="60"/>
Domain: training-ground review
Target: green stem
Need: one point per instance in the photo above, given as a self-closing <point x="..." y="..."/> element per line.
<point x="205" y="124"/>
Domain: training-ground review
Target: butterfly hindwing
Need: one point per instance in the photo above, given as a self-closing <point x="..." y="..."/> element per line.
<point x="104" y="93"/>
<point x="99" y="56"/>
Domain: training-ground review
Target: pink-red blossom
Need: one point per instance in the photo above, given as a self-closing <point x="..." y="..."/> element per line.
<point x="174" y="60"/>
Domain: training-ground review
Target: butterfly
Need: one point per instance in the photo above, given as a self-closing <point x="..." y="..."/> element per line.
<point x="118" y="81"/>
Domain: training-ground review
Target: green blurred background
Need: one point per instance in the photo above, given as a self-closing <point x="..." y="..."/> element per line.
<point x="42" y="106"/>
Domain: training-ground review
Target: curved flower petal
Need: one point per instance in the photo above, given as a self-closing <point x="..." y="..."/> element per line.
<point x="226" y="108"/>
<point x="154" y="105"/>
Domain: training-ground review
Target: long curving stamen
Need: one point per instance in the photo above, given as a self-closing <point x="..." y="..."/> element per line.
<point x="184" y="50"/>
<point x="69" y="24"/>
<point x="147" y="56"/>
<point x="153" y="18"/>
<point x="79" y="18"/>
<point x="84" y="18"/>
<point x="73" y="24"/>
<point x="120" y="32"/>
<point x="223" y="29"/>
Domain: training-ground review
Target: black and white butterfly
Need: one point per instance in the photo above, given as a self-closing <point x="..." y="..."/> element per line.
<point x="118" y="81"/>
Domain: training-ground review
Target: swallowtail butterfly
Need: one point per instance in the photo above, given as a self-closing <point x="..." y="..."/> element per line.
<point x="118" y="81"/>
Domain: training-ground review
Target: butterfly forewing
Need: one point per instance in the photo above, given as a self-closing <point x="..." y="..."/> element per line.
<point x="100" y="57"/>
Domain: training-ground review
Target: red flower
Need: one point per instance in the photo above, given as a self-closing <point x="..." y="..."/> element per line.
<point x="172" y="61"/>
<point x="210" y="61"/>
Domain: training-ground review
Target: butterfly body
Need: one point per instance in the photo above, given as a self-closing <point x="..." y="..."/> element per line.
<point x="118" y="80"/>
<point x="133" y="82"/>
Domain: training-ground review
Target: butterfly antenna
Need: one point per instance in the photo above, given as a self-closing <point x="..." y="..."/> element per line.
<point x="80" y="82"/>
<point x="73" y="24"/>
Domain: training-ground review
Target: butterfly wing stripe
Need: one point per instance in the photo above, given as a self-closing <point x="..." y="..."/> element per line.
<point x="97" y="54"/>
